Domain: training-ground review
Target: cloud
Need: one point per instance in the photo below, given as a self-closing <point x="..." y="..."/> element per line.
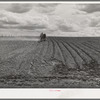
<point x="68" y="27"/>
<point x="63" y="25"/>
<point x="46" y="7"/>
<point x="49" y="18"/>
<point x="7" y="20"/>
<point x="94" y="22"/>
<point x="16" y="21"/>
<point x="14" y="18"/>
<point x="89" y="8"/>
<point x="41" y="21"/>
<point x="92" y="19"/>
<point x="19" y="8"/>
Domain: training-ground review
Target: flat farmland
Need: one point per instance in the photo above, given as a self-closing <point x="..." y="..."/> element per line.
<point x="59" y="62"/>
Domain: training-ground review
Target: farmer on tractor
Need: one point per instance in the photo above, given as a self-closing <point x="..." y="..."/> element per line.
<point x="42" y="37"/>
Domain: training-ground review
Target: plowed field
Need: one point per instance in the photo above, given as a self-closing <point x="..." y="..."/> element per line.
<point x="58" y="62"/>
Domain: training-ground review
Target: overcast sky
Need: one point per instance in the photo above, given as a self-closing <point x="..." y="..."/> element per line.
<point x="51" y="18"/>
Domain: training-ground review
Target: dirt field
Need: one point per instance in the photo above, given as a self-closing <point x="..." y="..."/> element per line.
<point x="59" y="62"/>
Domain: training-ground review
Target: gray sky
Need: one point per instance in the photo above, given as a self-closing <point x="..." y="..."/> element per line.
<point x="52" y="18"/>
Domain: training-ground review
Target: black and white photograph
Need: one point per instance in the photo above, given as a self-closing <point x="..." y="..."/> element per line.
<point x="49" y="45"/>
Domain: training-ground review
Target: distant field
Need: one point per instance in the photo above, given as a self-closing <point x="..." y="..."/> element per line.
<point x="58" y="62"/>
<point x="21" y="38"/>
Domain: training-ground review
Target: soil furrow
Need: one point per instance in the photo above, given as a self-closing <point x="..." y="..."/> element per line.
<point x="84" y="55"/>
<point x="78" y="46"/>
<point x="76" y="57"/>
<point x="69" y="60"/>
